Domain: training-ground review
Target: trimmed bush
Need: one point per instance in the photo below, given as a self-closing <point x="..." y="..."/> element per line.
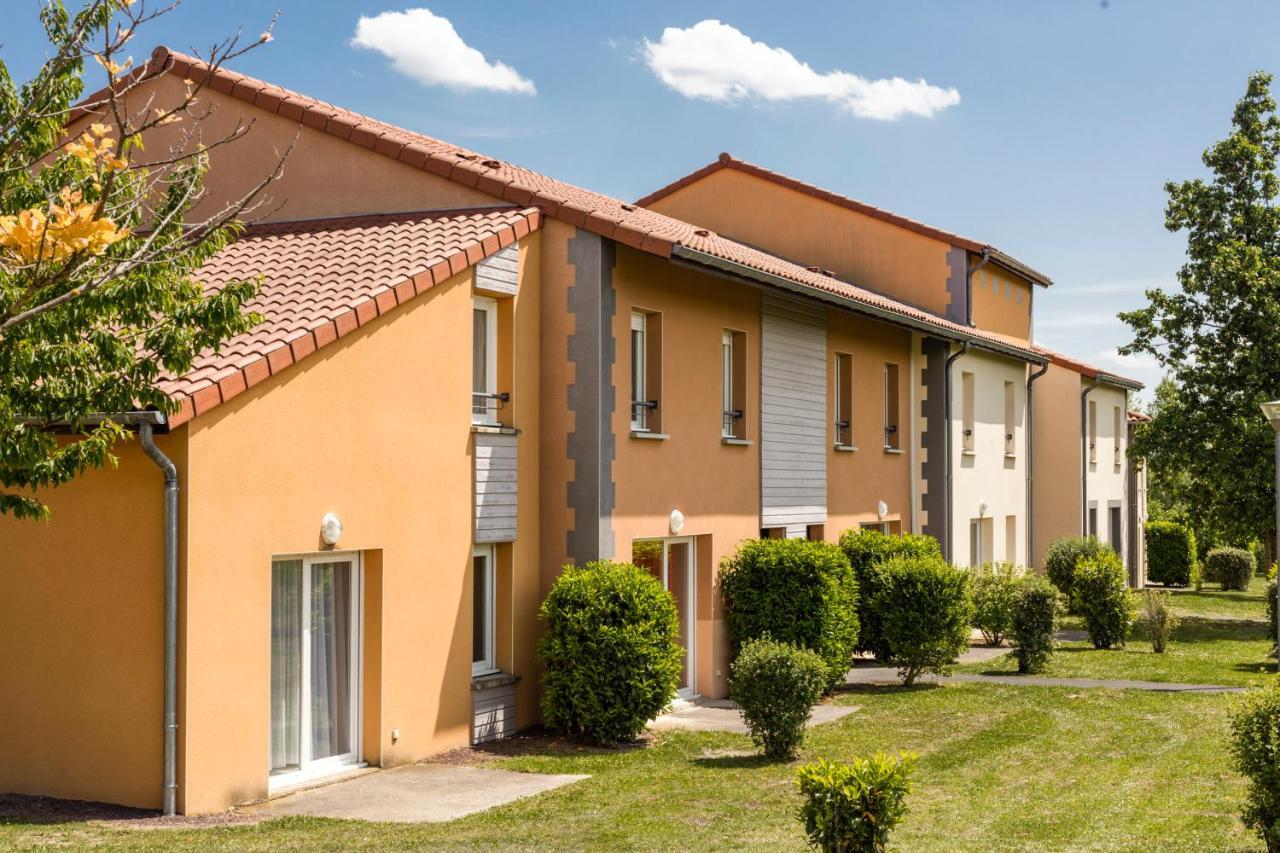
<point x="796" y="591"/>
<point x="866" y="550"/>
<point x="1255" y="746"/>
<point x="776" y="684"/>
<point x="1034" y="620"/>
<point x="1171" y="553"/>
<point x="924" y="608"/>
<point x="1105" y="602"/>
<point x="1061" y="559"/>
<point x="612" y="655"/>
<point x="1158" y="618"/>
<point x="994" y="586"/>
<point x="1233" y="568"/>
<point x="853" y="807"/>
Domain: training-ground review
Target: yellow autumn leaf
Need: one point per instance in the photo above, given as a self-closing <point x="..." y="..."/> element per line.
<point x="67" y="229"/>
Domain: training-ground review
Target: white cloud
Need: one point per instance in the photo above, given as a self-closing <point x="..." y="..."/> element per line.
<point x="427" y="48"/>
<point x="1077" y="321"/>
<point x="716" y="62"/>
<point x="1136" y="361"/>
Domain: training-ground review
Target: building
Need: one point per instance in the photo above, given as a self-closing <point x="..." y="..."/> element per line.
<point x="469" y="374"/>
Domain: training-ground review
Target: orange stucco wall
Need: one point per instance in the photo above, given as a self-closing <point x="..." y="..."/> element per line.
<point x="1056" y="447"/>
<point x="716" y="486"/>
<point x="323" y="175"/>
<point x="858" y="248"/>
<point x="81" y="629"/>
<point x="1002" y="302"/>
<point x="858" y="480"/>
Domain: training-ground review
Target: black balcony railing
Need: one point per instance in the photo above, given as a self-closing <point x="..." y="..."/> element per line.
<point x="486" y="406"/>
<point x="640" y="411"/>
<point x="729" y="423"/>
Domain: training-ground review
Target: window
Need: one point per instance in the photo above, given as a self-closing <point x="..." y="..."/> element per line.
<point x="879" y="526"/>
<point x="1093" y="432"/>
<point x="773" y="533"/>
<point x="484" y="363"/>
<point x="733" y="385"/>
<point x="966" y="409"/>
<point x="1114" y="529"/>
<point x="981" y="534"/>
<point x="1011" y="538"/>
<point x="646" y="370"/>
<point x="843" y="400"/>
<point x="891" y="407"/>
<point x="815" y="532"/>
<point x="1117" y="426"/>
<point x="1010" y="403"/>
<point x="1093" y="521"/>
<point x="484" y="597"/>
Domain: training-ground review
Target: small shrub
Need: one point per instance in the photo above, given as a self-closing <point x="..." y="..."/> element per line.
<point x="867" y="550"/>
<point x="1271" y="608"/>
<point x="850" y="808"/>
<point x="796" y="591"/>
<point x="1105" y="603"/>
<point x="776" y="684"/>
<point x="1259" y="550"/>
<point x="994" y="587"/>
<point x="611" y="653"/>
<point x="1061" y="559"/>
<point x="1158" y="618"/>
<point x="1035" y="618"/>
<point x="924" y="608"/>
<point x="1255" y="746"/>
<point x="1171" y="553"/>
<point x="1230" y="567"/>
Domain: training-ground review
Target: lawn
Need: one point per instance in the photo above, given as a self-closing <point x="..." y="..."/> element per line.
<point x="1211" y="601"/>
<point x="1202" y="651"/>
<point x="1002" y="768"/>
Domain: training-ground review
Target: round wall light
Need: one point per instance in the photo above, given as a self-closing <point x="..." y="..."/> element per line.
<point x="882" y="509"/>
<point x="330" y="528"/>
<point x="677" y="522"/>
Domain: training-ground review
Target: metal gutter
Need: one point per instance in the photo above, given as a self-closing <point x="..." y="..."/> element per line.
<point x="1031" y="464"/>
<point x="950" y="445"/>
<point x="703" y="261"/>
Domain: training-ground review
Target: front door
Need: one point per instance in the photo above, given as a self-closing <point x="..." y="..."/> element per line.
<point x="671" y="561"/>
<point x="315" y="664"/>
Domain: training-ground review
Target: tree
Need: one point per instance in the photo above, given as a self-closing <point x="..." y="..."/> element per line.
<point x="1218" y="336"/>
<point x="98" y="247"/>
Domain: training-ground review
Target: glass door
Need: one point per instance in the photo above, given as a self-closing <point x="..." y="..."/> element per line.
<point x="671" y="562"/>
<point x="315" y="663"/>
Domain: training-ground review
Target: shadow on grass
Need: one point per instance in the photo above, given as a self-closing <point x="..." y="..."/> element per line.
<point x="883" y="689"/>
<point x="738" y="762"/>
<point x="18" y="809"/>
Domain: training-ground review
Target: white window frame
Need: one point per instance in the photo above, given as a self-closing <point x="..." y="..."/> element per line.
<point x="639" y="364"/>
<point x="490" y="308"/>
<point x="842" y="393"/>
<point x="490" y="663"/>
<point x="726" y="389"/>
<point x="308" y="768"/>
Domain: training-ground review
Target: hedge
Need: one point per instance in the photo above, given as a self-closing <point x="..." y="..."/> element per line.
<point x="924" y="606"/>
<point x="1061" y="559"/>
<point x="867" y="550"/>
<point x="1233" y="568"/>
<point x="776" y="685"/>
<point x="1171" y="553"/>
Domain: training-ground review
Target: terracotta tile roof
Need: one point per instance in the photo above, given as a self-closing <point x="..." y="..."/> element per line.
<point x="323" y="279"/>
<point x="1088" y="371"/>
<point x="728" y="161"/>
<point x="1135" y="417"/>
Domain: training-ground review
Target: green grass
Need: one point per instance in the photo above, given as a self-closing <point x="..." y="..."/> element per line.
<point x="1211" y="601"/>
<point x="1002" y="768"/>
<point x="1202" y="651"/>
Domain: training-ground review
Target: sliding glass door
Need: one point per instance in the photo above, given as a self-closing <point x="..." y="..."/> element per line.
<point x="315" y="665"/>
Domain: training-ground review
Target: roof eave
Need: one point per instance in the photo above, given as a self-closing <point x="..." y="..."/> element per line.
<point x="876" y="312"/>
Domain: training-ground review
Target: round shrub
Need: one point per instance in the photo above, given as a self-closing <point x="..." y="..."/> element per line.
<point x="1231" y="567"/>
<point x="612" y="655"/>
<point x="1061" y="559"/>
<point x="1033" y="622"/>
<point x="994" y="587"/>
<point x="924" y="608"/>
<point x="1105" y="602"/>
<point x="866" y="550"/>
<point x="775" y="685"/>
<point x="1171" y="553"/>
<point x="1255" y="746"/>
<point x="796" y="591"/>
<point x="853" y="807"/>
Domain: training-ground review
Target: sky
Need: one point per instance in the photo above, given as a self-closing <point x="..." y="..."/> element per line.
<point x="1046" y="129"/>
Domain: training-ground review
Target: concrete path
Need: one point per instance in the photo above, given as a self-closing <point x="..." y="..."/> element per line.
<point x="414" y="793"/>
<point x="721" y="715"/>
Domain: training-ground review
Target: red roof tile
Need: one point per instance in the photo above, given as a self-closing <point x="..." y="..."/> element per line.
<point x="1085" y="369"/>
<point x="728" y="161"/>
<point x="323" y="278"/>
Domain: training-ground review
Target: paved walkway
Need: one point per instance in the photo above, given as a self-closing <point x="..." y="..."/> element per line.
<point x="414" y="793"/>
<point x="721" y="715"/>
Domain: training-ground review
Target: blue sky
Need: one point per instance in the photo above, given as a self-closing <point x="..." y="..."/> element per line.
<point x="1047" y="129"/>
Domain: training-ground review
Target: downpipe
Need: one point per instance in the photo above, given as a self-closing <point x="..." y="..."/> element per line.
<point x="165" y="464"/>
<point x="1031" y="463"/>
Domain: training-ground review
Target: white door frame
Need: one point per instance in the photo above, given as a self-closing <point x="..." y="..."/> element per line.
<point x="308" y="768"/>
<point x="691" y="607"/>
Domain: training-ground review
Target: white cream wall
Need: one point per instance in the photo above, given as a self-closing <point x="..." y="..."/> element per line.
<point x="1105" y="480"/>
<point x="987" y="474"/>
